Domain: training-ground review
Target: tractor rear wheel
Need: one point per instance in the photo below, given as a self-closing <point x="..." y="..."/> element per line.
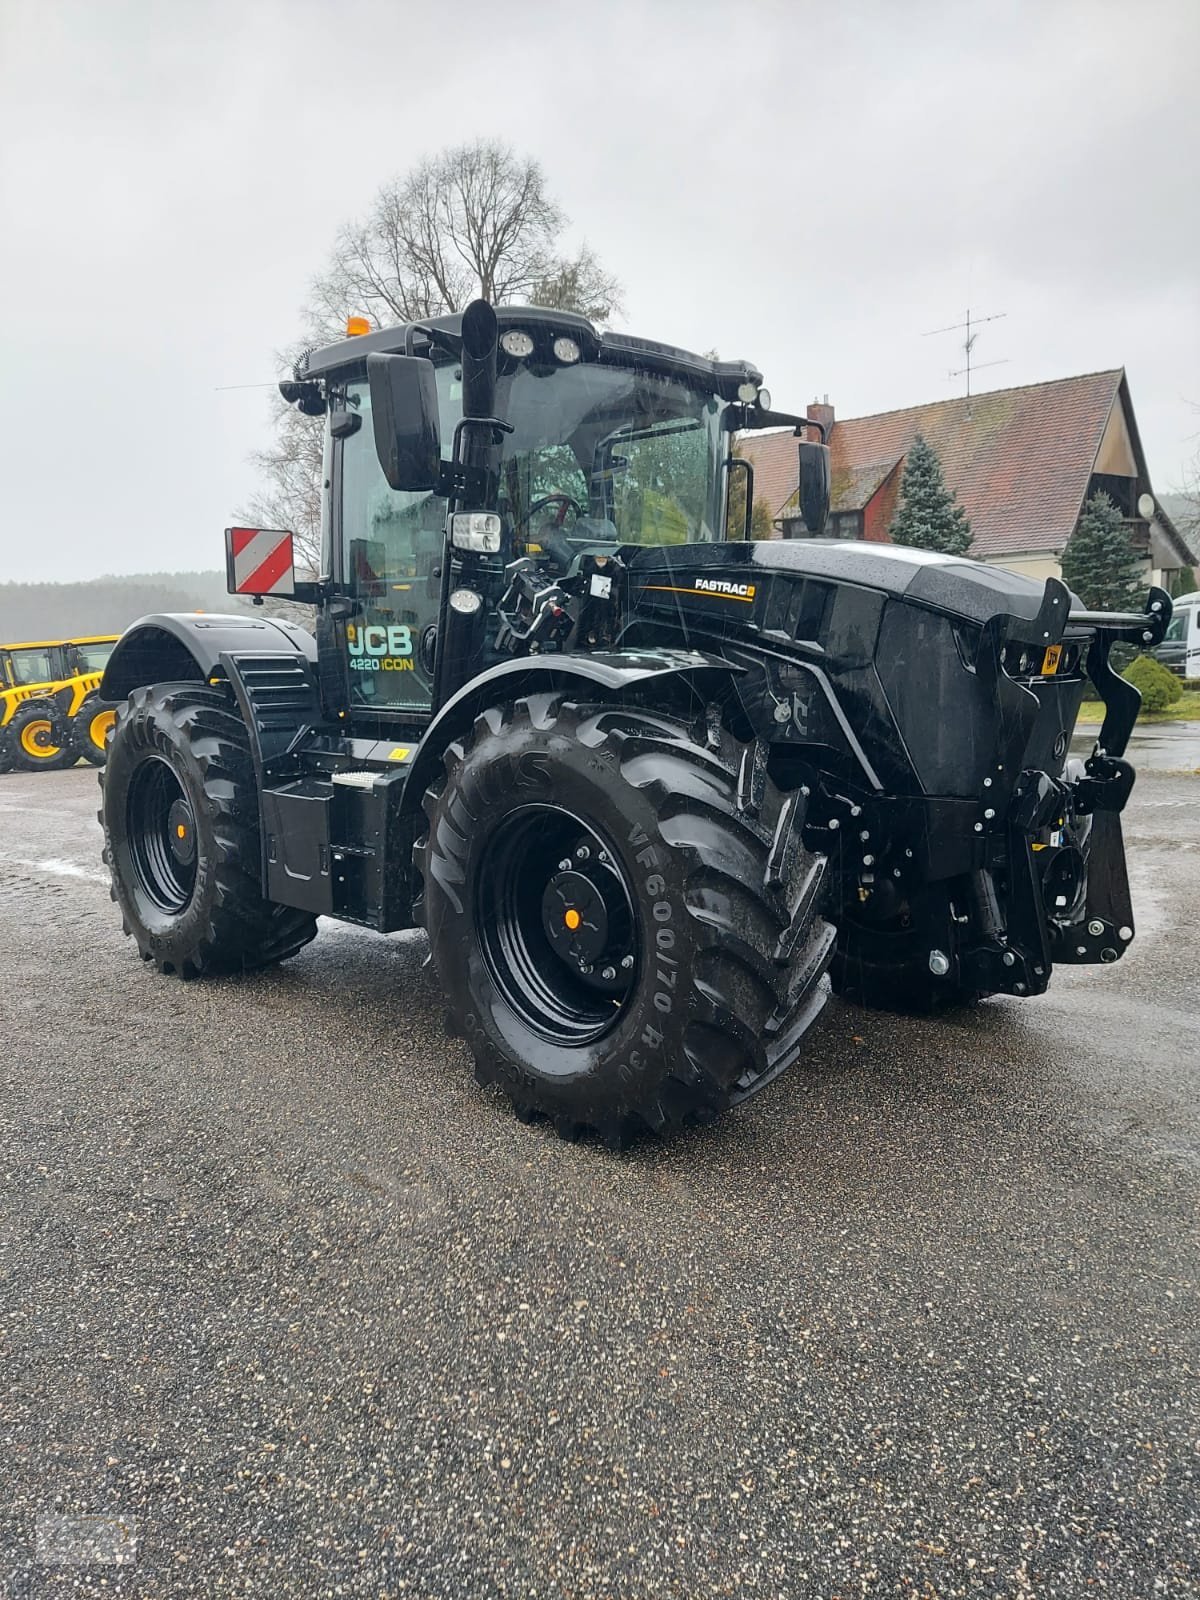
<point x="622" y="915"/>
<point x="181" y="836"/>
<point x="38" y="740"/>
<point x="91" y="727"/>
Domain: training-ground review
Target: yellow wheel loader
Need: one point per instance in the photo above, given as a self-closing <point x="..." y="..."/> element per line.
<point x="50" y="710"/>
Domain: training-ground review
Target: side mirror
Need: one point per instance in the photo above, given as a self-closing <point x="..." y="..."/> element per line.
<point x="260" y="561"/>
<point x="814" y="485"/>
<point x="404" y="410"/>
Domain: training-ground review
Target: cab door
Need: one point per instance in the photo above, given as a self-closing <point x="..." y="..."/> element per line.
<point x="390" y="547"/>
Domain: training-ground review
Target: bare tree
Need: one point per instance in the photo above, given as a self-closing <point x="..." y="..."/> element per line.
<point x="290" y="493"/>
<point x="474" y="220"/>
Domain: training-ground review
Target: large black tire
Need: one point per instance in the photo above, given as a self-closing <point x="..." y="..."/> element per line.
<point x="885" y="966"/>
<point x="698" y="952"/>
<point x="91" y="729"/>
<point x="181" y="836"/>
<point x="38" y="740"/>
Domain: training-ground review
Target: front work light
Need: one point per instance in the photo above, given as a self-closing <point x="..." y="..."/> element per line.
<point x="476" y="530"/>
<point x="566" y="351"/>
<point x="516" y="342"/>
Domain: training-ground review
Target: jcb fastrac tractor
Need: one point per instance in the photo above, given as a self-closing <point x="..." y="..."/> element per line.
<point x="50" y="710"/>
<point x="642" y="785"/>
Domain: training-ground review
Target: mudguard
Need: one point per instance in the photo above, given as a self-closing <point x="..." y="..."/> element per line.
<point x="600" y="673"/>
<point x="178" y="647"/>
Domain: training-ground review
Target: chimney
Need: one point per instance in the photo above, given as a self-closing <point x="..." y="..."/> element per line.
<point x="821" y="411"/>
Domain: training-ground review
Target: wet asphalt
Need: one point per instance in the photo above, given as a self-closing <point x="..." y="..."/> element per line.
<point x="289" y="1306"/>
<point x="1153" y="747"/>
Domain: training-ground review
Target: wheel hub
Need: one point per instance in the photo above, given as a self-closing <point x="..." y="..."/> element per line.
<point x="181" y="832"/>
<point x="575" y="917"/>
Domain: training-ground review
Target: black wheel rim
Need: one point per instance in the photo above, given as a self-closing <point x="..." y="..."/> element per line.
<point x="162" y="836"/>
<point x="556" y="924"/>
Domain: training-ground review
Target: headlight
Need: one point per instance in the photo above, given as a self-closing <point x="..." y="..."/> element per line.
<point x="516" y="342"/>
<point x="475" y="530"/>
<point x="566" y="351"/>
<point x="466" y="601"/>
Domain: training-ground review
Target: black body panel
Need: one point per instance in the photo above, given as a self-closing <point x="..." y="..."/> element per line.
<point x="179" y="646"/>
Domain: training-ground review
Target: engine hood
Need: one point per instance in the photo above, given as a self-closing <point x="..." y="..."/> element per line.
<point x="971" y="590"/>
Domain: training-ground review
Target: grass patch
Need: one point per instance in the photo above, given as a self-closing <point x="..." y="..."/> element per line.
<point x="1185" y="709"/>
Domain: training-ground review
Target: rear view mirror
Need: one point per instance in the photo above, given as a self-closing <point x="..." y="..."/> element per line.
<point x="814" y="485"/>
<point x="404" y="410"/>
<point x="260" y="561"/>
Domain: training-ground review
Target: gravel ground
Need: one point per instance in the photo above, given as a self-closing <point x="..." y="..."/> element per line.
<point x="288" y="1306"/>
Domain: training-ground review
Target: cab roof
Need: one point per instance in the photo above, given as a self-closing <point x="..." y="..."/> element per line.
<point x="347" y="358"/>
<point x="53" y="644"/>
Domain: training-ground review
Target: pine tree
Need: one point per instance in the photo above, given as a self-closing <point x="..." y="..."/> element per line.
<point x="929" y="517"/>
<point x="1099" y="562"/>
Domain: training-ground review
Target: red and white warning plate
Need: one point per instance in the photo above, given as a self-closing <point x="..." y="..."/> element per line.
<point x="260" y="561"/>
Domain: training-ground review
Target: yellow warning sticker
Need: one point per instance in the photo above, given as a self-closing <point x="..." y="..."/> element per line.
<point x="1051" y="659"/>
<point x="400" y="752"/>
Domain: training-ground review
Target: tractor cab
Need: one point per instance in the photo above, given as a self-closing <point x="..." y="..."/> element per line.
<point x="550" y="452"/>
<point x="23" y="665"/>
<point x="53" y="661"/>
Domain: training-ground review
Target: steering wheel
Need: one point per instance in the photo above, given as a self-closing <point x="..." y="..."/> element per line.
<point x="564" y="502"/>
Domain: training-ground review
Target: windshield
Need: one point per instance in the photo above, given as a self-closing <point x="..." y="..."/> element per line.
<point x="611" y="455"/>
<point x="93" y="657"/>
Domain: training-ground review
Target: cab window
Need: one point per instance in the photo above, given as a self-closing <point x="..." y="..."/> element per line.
<point x="33" y="666"/>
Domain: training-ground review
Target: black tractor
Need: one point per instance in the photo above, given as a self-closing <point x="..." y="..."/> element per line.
<point x="649" y="789"/>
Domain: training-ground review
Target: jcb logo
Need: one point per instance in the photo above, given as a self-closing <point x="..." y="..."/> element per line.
<point x="377" y="648"/>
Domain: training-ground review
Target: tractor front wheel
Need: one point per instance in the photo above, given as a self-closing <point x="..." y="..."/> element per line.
<point x="37" y="739"/>
<point x="91" y="729"/>
<point x="622" y="915"/>
<point x="181" y="836"/>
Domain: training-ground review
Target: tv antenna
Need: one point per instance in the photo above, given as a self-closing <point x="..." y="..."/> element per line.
<point x="968" y="344"/>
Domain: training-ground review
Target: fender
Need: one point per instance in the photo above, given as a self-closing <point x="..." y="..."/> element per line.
<point x="602" y="675"/>
<point x="187" y="647"/>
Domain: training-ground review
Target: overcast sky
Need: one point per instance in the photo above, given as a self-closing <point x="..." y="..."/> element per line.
<point x="808" y="186"/>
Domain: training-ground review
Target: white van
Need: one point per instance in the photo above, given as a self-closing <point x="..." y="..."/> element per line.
<point x="1180" y="648"/>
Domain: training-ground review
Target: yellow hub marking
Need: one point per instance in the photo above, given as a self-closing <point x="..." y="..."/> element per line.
<point x="572" y="919"/>
<point x="181" y="830"/>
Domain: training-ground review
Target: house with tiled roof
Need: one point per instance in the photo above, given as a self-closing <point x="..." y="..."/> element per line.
<point x="1022" y="462"/>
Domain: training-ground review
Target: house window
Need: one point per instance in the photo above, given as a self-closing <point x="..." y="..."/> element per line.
<point x="1121" y="491"/>
<point x="841" y="525"/>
